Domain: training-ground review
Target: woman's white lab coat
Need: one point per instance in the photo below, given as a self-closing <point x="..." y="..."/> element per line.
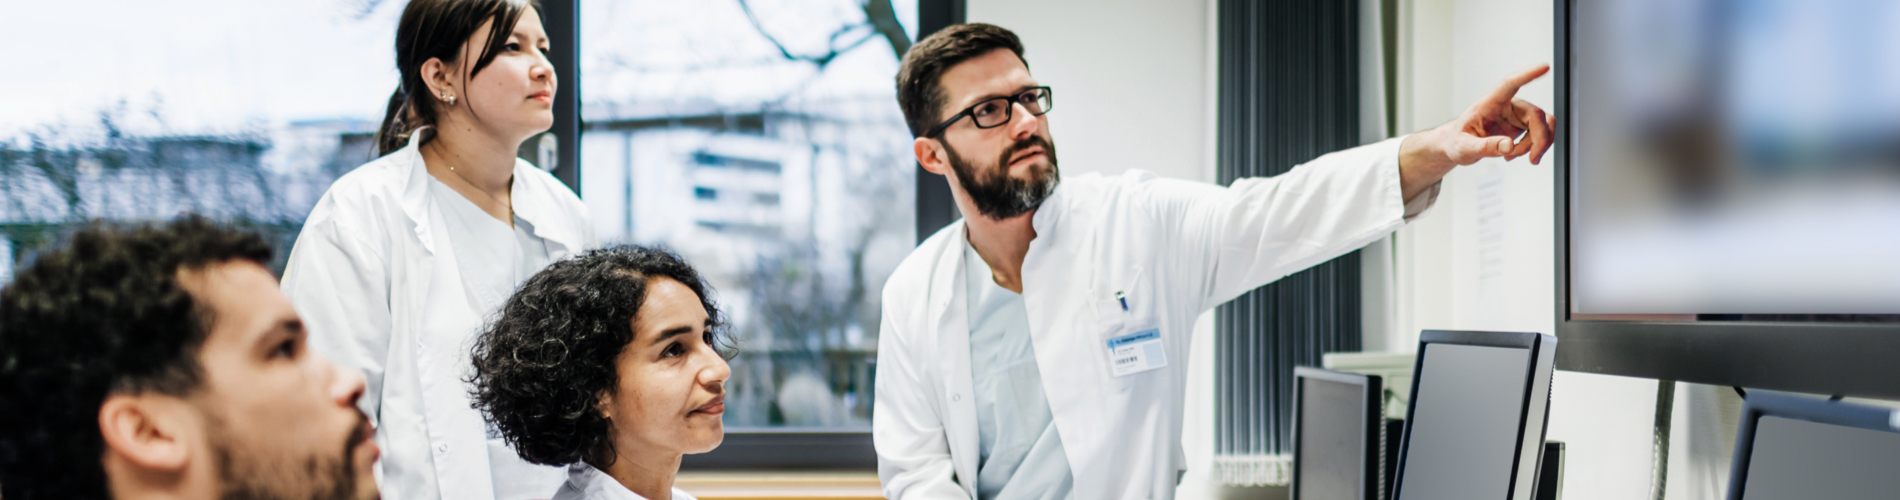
<point x="375" y="279"/>
<point x="1169" y="250"/>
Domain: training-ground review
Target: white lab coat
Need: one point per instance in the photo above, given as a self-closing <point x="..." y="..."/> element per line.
<point x="1174" y="249"/>
<point x="375" y="279"/>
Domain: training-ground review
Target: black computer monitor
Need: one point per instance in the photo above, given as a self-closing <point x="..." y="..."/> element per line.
<point x="1474" y="427"/>
<point x="1718" y="165"/>
<point x="1338" y="435"/>
<point x="1793" y="447"/>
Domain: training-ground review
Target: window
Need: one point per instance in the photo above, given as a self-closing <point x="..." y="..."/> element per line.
<point x="762" y="140"/>
<point x="759" y="138"/>
<point x="243" y="111"/>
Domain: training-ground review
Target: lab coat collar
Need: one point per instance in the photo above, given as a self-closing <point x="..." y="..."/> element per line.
<point x="415" y="192"/>
<point x="533" y="202"/>
<point x="1044" y="221"/>
<point x="1049" y="213"/>
<point x="947" y="278"/>
<point x="947" y="290"/>
<point x="529" y="194"/>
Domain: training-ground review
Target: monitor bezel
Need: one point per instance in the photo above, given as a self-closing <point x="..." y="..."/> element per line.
<point x="1371" y="426"/>
<point x="1824" y="358"/>
<point x="1820" y="411"/>
<point x="1515" y="340"/>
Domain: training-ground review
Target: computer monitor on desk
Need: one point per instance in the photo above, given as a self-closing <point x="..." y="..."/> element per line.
<point x="1338" y="435"/>
<point x="1793" y="447"/>
<point x="1475" y="424"/>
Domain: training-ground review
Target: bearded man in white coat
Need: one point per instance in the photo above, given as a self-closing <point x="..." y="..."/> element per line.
<point x="1036" y="349"/>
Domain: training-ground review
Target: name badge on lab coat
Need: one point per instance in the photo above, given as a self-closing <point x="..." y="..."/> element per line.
<point x="1136" y="352"/>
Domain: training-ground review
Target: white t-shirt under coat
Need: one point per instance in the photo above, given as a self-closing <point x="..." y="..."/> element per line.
<point x="1021" y="453"/>
<point x="494" y="259"/>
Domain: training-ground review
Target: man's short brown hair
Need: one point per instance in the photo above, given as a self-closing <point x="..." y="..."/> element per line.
<point x="919" y="80"/>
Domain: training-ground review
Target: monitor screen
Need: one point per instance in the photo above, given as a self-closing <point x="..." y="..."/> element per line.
<point x="1468" y="407"/>
<point x="1797" y="459"/>
<point x="1331" y="440"/>
<point x="1734" y="160"/>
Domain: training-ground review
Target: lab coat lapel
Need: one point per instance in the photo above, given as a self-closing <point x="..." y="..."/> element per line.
<point x="415" y="206"/>
<point x="461" y="464"/>
<point x="415" y="192"/>
<point x="443" y="308"/>
<point x="533" y="203"/>
<point x="1054" y="270"/>
<point x="953" y="345"/>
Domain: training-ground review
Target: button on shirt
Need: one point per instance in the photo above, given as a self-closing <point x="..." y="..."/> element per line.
<point x="1021" y="455"/>
<point x="494" y="259"/>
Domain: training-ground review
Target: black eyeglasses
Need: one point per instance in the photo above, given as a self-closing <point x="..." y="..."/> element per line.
<point x="996" y="111"/>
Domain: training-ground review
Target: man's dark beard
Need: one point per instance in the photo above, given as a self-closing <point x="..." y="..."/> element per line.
<point x="999" y="196"/>
<point x="251" y="478"/>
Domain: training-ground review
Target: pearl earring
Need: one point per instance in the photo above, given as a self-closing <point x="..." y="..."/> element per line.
<point x="449" y="97"/>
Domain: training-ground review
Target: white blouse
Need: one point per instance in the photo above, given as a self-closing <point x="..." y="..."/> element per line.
<point x="584" y="482"/>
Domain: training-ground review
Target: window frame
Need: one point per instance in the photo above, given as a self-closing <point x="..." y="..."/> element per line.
<point x="750" y="448"/>
<point x="561" y="20"/>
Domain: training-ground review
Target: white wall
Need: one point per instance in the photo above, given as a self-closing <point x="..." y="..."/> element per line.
<point x="1130" y="79"/>
<point x="1483" y="259"/>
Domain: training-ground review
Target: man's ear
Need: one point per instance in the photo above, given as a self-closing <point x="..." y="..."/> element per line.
<point x="150" y="431"/>
<point x="931" y="156"/>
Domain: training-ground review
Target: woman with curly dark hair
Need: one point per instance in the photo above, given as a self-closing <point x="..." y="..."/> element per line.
<point x="606" y="364"/>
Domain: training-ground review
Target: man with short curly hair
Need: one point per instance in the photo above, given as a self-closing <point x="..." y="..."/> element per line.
<point x="160" y="361"/>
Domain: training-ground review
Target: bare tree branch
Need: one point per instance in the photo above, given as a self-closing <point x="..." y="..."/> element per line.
<point x="820" y="60"/>
<point x="361" y="9"/>
<point x="884" y="17"/>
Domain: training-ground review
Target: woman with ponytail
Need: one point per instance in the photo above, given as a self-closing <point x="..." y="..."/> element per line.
<point x="403" y="257"/>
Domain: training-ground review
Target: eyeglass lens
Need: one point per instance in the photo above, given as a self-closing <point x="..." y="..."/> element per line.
<point x="996" y="112"/>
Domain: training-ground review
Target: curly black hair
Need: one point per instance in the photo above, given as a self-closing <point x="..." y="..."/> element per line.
<point x="542" y="363"/>
<point x="101" y="314"/>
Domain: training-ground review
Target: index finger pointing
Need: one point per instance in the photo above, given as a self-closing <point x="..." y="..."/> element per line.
<point x="1508" y="89"/>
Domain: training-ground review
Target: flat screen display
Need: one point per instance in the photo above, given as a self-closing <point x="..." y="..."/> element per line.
<point x="1332" y="440"/>
<point x="1735" y="160"/>
<point x="1466" y="411"/>
<point x="1797" y="459"/>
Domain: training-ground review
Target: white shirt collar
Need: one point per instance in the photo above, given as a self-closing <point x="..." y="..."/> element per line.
<point x="584" y="482"/>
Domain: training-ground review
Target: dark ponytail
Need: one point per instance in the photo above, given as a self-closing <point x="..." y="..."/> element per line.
<point x="436" y="29"/>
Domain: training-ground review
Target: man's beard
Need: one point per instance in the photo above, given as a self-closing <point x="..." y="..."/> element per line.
<point x="247" y="476"/>
<point x="999" y="196"/>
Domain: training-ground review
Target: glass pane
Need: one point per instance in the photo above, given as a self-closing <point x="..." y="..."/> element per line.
<point x="991" y="113"/>
<point x="762" y="140"/>
<point x="241" y="110"/>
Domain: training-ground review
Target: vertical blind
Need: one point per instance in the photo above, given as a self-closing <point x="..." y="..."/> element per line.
<point x="1289" y="92"/>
